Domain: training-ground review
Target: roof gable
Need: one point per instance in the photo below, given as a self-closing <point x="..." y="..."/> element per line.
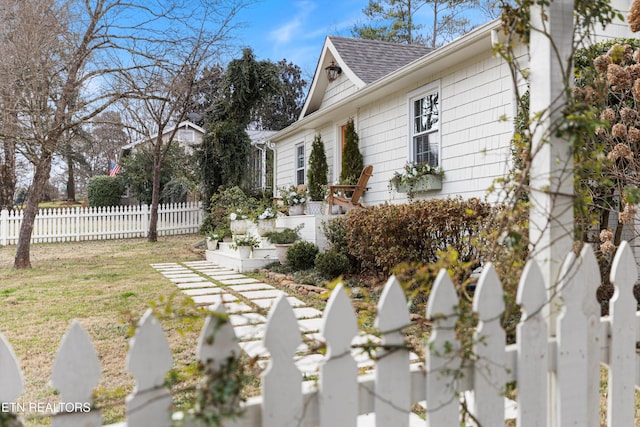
<point x="362" y="61"/>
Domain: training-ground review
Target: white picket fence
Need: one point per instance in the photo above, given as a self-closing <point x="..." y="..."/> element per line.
<point x="558" y="378"/>
<point x="101" y="223"/>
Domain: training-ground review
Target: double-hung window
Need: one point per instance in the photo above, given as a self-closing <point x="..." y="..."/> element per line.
<point x="425" y="127"/>
<point x="299" y="164"/>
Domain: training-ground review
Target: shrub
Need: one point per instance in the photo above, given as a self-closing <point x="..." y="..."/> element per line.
<point x="318" y="170"/>
<point x="332" y="264"/>
<point x="103" y="190"/>
<point x="352" y="163"/>
<point x="223" y="203"/>
<point x="284" y="236"/>
<point x="301" y="256"/>
<point x="381" y="237"/>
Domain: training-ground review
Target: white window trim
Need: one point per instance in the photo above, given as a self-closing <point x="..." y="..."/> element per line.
<point x="295" y="162"/>
<point x="412" y="96"/>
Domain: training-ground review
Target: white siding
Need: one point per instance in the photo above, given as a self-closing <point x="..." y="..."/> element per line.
<point x="477" y="104"/>
<point x="337" y="90"/>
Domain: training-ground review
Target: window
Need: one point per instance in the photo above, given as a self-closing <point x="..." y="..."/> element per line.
<point x="425" y="135"/>
<point x="186" y="135"/>
<point x="300" y="170"/>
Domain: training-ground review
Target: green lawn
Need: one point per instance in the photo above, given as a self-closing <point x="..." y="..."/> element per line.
<point x="104" y="284"/>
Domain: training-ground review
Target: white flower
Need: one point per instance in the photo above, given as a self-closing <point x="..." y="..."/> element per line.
<point x="233" y="216"/>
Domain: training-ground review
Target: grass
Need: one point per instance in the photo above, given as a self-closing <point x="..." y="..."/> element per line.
<point x="106" y="285"/>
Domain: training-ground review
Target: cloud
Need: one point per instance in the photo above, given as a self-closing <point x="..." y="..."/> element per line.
<point x="292" y="29"/>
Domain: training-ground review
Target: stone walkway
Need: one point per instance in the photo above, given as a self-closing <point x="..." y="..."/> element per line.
<point x="247" y="301"/>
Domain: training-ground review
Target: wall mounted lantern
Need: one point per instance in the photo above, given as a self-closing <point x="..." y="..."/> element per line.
<point x="333" y="71"/>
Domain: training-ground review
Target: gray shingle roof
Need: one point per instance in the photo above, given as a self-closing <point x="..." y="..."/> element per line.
<point x="371" y="60"/>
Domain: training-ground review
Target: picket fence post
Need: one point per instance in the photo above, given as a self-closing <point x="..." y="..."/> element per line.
<point x="4" y="227"/>
<point x="76" y="373"/>
<point x="149" y="360"/>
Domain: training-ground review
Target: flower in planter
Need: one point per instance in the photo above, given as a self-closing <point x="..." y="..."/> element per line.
<point x="246" y="240"/>
<point x="293" y="196"/>
<point x="268" y="213"/>
<point x="233" y="216"/>
<point x="411" y="174"/>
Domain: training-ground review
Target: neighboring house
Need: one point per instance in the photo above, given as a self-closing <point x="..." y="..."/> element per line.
<point x="452" y="107"/>
<point x="188" y="136"/>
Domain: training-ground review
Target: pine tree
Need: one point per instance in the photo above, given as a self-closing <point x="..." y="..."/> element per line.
<point x="318" y="170"/>
<point x="352" y="163"/>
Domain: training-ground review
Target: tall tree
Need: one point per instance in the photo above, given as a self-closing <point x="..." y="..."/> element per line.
<point x="224" y="153"/>
<point x="166" y="91"/>
<point x="283" y="106"/>
<point x="394" y="21"/>
<point x="63" y="56"/>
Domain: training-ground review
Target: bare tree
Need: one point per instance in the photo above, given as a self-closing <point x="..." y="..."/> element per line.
<point x="166" y="89"/>
<point x="63" y="56"/>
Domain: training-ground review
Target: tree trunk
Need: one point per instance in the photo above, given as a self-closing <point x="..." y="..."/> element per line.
<point x="40" y="178"/>
<point x="155" y="195"/>
<point x="71" y="182"/>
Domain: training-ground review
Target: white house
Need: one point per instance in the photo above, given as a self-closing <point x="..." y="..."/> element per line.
<point x="452" y="107"/>
<point x="187" y="136"/>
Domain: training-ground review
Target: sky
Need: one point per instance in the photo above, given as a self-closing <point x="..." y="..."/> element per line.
<point x="295" y="30"/>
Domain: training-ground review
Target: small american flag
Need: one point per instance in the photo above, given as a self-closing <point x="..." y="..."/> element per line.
<point x="114" y="168"/>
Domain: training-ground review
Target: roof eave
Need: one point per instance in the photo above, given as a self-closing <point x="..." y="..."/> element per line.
<point x="467" y="45"/>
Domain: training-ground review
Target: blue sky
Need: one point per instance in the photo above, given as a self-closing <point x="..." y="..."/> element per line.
<point x="295" y="30"/>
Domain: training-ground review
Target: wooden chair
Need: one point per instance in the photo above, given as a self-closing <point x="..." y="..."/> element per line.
<point x="342" y="199"/>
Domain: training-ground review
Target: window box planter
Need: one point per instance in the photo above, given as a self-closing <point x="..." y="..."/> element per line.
<point x="420" y="185"/>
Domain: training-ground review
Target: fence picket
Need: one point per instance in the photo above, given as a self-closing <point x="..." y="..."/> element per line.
<point x="393" y="398"/>
<point x="76" y="372"/>
<point x="149" y="360"/>
<point x="620" y="400"/>
<point x="443" y="358"/>
<point x="282" y="405"/>
<point x="339" y="372"/>
<point x="578" y="348"/>
<point x="11" y="380"/>
<point x="489" y="340"/>
<point x="532" y="336"/>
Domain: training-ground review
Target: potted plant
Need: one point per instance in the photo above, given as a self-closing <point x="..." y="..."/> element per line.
<point x="266" y="220"/>
<point x="317" y="176"/>
<point x="245" y="244"/>
<point x="416" y="178"/>
<point x="212" y="241"/>
<point x="283" y="240"/>
<point x="238" y="223"/>
<point x="294" y="198"/>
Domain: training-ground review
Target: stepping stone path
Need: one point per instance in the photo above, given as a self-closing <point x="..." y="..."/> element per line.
<point x="248" y="301"/>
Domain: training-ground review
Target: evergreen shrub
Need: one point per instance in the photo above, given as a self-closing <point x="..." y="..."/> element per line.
<point x="332" y="264"/>
<point x="302" y="255"/>
<point x="103" y="190"/>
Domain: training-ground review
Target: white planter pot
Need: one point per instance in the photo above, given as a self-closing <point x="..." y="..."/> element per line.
<point x="265" y="226"/>
<point x="314" y="208"/>
<point x="239" y="226"/>
<point x="212" y="245"/>
<point x="244" y="252"/>
<point x="296" y="210"/>
<point x="281" y="252"/>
